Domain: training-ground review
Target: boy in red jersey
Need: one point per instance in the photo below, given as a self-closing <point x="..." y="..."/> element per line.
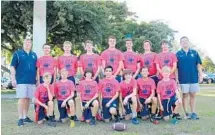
<point x="44" y="106"/>
<point x="113" y="57"/>
<point x="166" y="58"/>
<point x="148" y="60"/>
<point x="68" y="61"/>
<point x="128" y="98"/>
<point x="64" y="92"/>
<point x="89" y="97"/>
<point x="146" y="93"/>
<point x="168" y="95"/>
<point x="90" y="60"/>
<point x="46" y="63"/>
<point x="109" y="94"/>
<point x="131" y="59"/>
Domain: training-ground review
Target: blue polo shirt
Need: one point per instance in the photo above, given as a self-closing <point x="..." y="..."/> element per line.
<point x="187" y="66"/>
<point x="25" y="66"/>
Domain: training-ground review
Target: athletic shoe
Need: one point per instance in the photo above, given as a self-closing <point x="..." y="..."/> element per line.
<point x="72" y="123"/>
<point x="174" y="121"/>
<point x="27" y="119"/>
<point x="51" y="123"/>
<point x="177" y="116"/>
<point x="153" y="119"/>
<point x="135" y="121"/>
<point x="20" y="122"/>
<point x="194" y="116"/>
<point x="98" y="117"/>
<point x="92" y="122"/>
<point x="76" y="118"/>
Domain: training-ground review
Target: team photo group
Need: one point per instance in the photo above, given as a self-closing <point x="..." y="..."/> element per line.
<point x="114" y="85"/>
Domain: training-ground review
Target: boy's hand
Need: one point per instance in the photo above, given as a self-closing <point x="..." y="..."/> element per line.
<point x="125" y="102"/>
<point x="179" y="100"/>
<point x="108" y="104"/>
<point x="161" y="107"/>
<point x="141" y="106"/>
<point x="14" y="82"/>
<point x="87" y="105"/>
<point x="63" y="104"/>
<point x="148" y="100"/>
<point x="46" y="86"/>
<point x="82" y="108"/>
<point x="45" y="106"/>
<point x="123" y="111"/>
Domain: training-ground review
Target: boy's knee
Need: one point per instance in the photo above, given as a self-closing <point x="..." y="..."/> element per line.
<point x="71" y="102"/>
<point x="134" y="100"/>
<point x="113" y="111"/>
<point x="50" y="103"/>
<point x="95" y="103"/>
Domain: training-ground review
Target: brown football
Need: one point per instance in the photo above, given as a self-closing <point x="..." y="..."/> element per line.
<point x="119" y="126"/>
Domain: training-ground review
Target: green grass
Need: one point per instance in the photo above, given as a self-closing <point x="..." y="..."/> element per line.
<point x="205" y="126"/>
<point x="8" y="91"/>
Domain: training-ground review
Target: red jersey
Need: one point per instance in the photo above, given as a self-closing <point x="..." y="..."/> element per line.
<point x="90" y="61"/>
<point x="87" y="89"/>
<point x="112" y="58"/>
<point x="41" y="93"/>
<point x="148" y="60"/>
<point x="69" y="63"/>
<point x="166" y="89"/>
<point x="109" y="87"/>
<point x="63" y="89"/>
<point x="127" y="88"/>
<point x="166" y="59"/>
<point x="145" y="87"/>
<point x="46" y="64"/>
<point x="130" y="60"/>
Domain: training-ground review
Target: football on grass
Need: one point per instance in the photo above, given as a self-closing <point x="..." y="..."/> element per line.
<point x="119" y="126"/>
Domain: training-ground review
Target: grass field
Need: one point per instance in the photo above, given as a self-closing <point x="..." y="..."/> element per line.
<point x="204" y="126"/>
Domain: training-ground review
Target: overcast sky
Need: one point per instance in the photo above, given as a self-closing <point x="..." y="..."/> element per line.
<point x="192" y="18"/>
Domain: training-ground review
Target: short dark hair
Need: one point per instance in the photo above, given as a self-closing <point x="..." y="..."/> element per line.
<point x="164" y="41"/>
<point x="183" y="38"/>
<point x="147" y="41"/>
<point x="88" y="71"/>
<point x="109" y="67"/>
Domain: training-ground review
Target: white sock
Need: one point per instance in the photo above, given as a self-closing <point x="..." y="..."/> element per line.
<point x="134" y="114"/>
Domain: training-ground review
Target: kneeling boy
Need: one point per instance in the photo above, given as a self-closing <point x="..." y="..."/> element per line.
<point x="44" y="106"/>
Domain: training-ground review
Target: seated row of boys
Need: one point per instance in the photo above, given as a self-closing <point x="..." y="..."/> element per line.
<point x="107" y="95"/>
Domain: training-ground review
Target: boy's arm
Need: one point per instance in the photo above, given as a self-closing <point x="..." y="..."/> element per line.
<point x="119" y="68"/>
<point x="38" y="76"/>
<point x="97" y="73"/>
<point x="178" y="94"/>
<point x="13" y="73"/>
<point x="173" y="68"/>
<point x="50" y="96"/>
<point x="134" y="93"/>
<point x="114" y="97"/>
<point x="159" y="99"/>
<point x="100" y="99"/>
<point x="158" y="68"/>
<point x="95" y="96"/>
<point x="55" y="74"/>
<point x="200" y="72"/>
<point x="152" y="94"/>
<point x="137" y="71"/>
<point x="40" y="103"/>
<point x="71" y="96"/>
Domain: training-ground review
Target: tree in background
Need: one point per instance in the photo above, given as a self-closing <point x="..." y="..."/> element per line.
<point x="208" y="65"/>
<point x="78" y="21"/>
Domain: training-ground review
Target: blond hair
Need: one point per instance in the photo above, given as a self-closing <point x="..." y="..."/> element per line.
<point x="67" y="43"/>
<point x="47" y="75"/>
<point x="166" y="69"/>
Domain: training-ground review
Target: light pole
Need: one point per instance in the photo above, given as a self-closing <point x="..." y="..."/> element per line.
<point x="39" y="26"/>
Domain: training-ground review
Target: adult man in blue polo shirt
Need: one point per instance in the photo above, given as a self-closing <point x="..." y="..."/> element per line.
<point x="23" y="74"/>
<point x="189" y="74"/>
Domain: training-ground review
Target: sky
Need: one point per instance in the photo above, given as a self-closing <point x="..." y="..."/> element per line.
<point x="191" y="18"/>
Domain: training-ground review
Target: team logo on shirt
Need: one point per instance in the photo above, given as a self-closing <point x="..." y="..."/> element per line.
<point x="130" y="59"/>
<point x="147" y="62"/>
<point x="87" y="91"/>
<point x="90" y="64"/>
<point x="68" y="66"/>
<point x="44" y="96"/>
<point x="46" y="65"/>
<point x="145" y="91"/>
<point x="63" y="92"/>
<point x="168" y="92"/>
